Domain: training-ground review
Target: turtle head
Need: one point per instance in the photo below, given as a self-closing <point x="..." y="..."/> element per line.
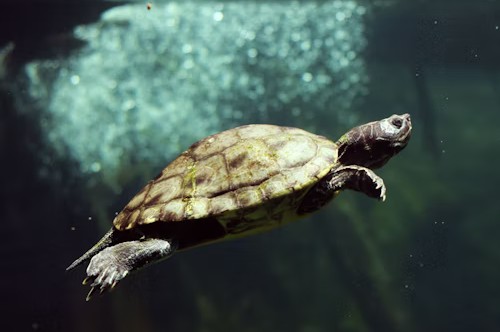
<point x="372" y="145"/>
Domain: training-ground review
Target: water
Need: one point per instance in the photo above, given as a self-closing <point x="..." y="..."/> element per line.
<point x="86" y="122"/>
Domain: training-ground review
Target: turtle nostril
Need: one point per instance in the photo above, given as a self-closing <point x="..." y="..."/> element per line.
<point x="397" y="122"/>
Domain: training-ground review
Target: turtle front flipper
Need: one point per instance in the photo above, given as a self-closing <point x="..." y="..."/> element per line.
<point x="357" y="178"/>
<point x="352" y="177"/>
<point x="114" y="263"/>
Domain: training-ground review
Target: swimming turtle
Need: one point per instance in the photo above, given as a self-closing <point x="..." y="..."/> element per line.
<point x="240" y="182"/>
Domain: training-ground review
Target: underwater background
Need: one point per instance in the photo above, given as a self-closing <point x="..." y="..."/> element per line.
<point x="97" y="96"/>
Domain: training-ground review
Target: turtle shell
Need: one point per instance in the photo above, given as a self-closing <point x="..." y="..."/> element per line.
<point x="247" y="178"/>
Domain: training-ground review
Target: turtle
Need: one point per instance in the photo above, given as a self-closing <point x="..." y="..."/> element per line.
<point x="240" y="182"/>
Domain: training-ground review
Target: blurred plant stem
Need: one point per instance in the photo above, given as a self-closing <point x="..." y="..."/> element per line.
<point x="359" y="263"/>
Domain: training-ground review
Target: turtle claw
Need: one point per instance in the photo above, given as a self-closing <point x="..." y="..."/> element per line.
<point x="114" y="263"/>
<point x="89" y="295"/>
<point x="380" y="187"/>
<point x="104" y="272"/>
<point x="103" y="283"/>
<point x="379" y="191"/>
<point x="86" y="280"/>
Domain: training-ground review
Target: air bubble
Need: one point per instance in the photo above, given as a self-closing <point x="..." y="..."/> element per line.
<point x="307" y="77"/>
<point x="340" y="34"/>
<point x="252" y="53"/>
<point x="188" y="64"/>
<point x="340" y="16"/>
<point x="250" y="35"/>
<point x="75" y="79"/>
<point x="305" y="45"/>
<point x="187" y="48"/>
<point x="95" y="167"/>
<point x="218" y="16"/>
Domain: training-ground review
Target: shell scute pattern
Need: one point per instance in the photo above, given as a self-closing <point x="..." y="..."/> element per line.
<point x="223" y="203"/>
<point x="276" y="184"/>
<point x="257" y="166"/>
<point x="292" y="151"/>
<point x="232" y="172"/>
<point x="157" y="193"/>
<point x="258" y="131"/>
<point x="213" y="144"/>
<point x="172" y="210"/>
<point x="212" y="176"/>
<point x="137" y="200"/>
<point x="249" y="197"/>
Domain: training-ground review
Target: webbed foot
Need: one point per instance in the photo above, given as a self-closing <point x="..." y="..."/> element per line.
<point x="359" y="178"/>
<point x="114" y="263"/>
<point x="106" y="269"/>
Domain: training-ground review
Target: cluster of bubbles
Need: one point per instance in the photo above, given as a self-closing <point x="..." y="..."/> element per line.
<point x="150" y="82"/>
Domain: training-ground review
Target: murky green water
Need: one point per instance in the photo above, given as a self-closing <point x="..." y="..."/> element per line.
<point x="86" y="122"/>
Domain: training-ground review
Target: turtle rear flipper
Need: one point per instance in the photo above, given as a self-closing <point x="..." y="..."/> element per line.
<point x="114" y="263"/>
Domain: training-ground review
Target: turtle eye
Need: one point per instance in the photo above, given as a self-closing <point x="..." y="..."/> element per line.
<point x="397" y="122"/>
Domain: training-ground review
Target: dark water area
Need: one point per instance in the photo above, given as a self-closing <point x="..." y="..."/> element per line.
<point x="97" y="97"/>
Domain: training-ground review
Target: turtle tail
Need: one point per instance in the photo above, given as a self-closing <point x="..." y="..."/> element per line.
<point x="105" y="242"/>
